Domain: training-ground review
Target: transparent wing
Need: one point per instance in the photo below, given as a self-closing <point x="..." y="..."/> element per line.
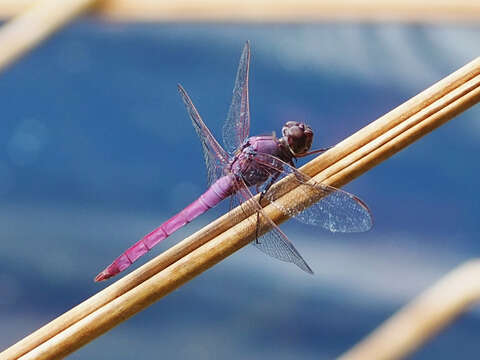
<point x="274" y="242"/>
<point x="216" y="159"/>
<point x="333" y="209"/>
<point x="237" y="124"/>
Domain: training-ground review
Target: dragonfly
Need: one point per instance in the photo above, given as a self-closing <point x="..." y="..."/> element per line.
<point x="256" y="164"/>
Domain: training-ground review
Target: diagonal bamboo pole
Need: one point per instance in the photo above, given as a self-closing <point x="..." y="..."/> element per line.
<point x="40" y="20"/>
<point x="347" y="160"/>
<point x="421" y="319"/>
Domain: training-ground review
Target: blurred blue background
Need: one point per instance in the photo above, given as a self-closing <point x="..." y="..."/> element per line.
<point x="96" y="150"/>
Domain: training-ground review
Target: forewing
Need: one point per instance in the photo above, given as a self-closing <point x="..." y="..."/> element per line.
<point x="237" y="124"/>
<point x="274" y="242"/>
<point x="216" y="159"/>
<point x="336" y="210"/>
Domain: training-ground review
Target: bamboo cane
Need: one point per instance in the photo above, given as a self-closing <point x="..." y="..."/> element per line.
<point x="420" y="320"/>
<point x="341" y="164"/>
<point x="35" y="24"/>
<point x="277" y="10"/>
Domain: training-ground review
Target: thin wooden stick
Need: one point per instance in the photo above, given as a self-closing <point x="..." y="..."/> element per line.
<point x="344" y="162"/>
<point x="292" y="11"/>
<point x="420" y="320"/>
<point x="35" y="24"/>
<point x="278" y="10"/>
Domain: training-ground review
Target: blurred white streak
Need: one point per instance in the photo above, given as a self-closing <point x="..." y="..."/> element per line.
<point x="381" y="269"/>
<point x="26" y="142"/>
<point x="374" y="53"/>
<point x="387" y="269"/>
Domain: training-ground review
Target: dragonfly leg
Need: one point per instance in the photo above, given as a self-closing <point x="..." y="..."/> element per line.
<point x="262" y="195"/>
<point x="269" y="184"/>
<point x="256" y="229"/>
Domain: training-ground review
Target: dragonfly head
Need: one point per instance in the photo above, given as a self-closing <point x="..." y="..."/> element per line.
<point x="298" y="136"/>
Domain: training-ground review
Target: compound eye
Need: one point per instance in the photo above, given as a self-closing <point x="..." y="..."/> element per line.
<point x="288" y="125"/>
<point x="299" y="136"/>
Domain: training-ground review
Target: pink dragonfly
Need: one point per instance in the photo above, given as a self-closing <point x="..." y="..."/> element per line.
<point x="255" y="162"/>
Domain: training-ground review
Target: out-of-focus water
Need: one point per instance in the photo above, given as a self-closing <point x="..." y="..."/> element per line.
<point x="96" y="150"/>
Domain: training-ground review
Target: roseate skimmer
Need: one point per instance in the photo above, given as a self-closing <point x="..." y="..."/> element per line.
<point x="255" y="162"/>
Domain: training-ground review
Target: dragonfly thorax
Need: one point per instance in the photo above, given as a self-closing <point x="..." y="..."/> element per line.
<point x="298" y="137"/>
<point x="244" y="163"/>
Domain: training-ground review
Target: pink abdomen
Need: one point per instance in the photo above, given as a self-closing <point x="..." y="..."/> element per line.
<point x="219" y="190"/>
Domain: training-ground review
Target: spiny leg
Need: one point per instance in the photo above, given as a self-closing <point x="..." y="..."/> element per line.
<point x="270" y="182"/>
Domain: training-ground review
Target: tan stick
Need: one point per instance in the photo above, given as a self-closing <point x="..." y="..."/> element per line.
<point x="291" y="10"/>
<point x="278" y="10"/>
<point x="35" y="24"/>
<point x="344" y="162"/>
<point x="420" y="320"/>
